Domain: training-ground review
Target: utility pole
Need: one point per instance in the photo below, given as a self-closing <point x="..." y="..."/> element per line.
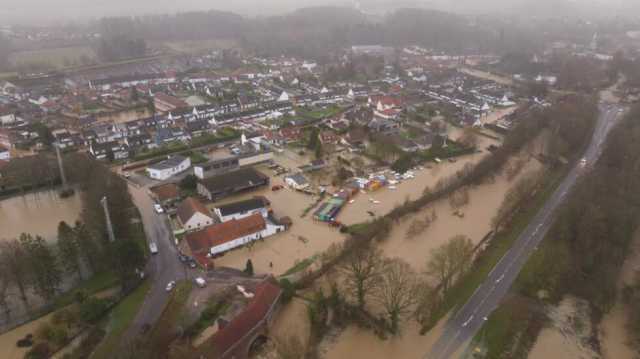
<point x="63" y="177"/>
<point x="107" y="217"/>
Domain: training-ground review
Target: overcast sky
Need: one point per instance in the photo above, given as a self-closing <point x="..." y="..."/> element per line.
<point x="19" y="11"/>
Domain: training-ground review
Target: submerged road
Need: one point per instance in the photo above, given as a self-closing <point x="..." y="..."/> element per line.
<point x="464" y="325"/>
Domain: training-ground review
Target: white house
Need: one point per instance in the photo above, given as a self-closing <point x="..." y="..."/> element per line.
<point x="242" y="209"/>
<point x="296" y="181"/>
<point x="223" y="237"/>
<point x="193" y="215"/>
<point x="164" y="170"/>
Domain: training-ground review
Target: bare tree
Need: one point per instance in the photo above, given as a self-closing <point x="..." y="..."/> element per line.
<point x="516" y="196"/>
<point x="428" y="302"/>
<point x="362" y="271"/>
<point x="459" y="198"/>
<point x="450" y="260"/>
<point x="397" y="291"/>
<point x="15" y="262"/>
<point x="469" y="137"/>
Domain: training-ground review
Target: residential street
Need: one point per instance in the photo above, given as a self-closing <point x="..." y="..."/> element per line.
<point x="463" y="326"/>
<point x="162" y="267"/>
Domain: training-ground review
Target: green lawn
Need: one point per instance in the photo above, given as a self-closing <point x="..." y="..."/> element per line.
<point x="300" y="266"/>
<point x="119" y="320"/>
<point x="93" y="285"/>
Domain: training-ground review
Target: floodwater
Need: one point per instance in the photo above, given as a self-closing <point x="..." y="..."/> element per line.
<point x="613" y="328"/>
<point x="354" y="342"/>
<point x="37" y="213"/>
<point x="563" y="339"/>
<point x="476" y="223"/>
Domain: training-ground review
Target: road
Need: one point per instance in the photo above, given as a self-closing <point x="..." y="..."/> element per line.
<point x="162" y="267"/>
<point x="464" y="325"/>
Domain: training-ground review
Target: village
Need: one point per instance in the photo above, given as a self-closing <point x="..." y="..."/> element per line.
<point x="251" y="178"/>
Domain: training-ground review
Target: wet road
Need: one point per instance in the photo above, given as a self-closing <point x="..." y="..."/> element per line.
<point x="463" y="326"/>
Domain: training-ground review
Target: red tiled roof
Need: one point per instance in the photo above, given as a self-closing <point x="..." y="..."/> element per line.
<point x="265" y="296"/>
<point x="189" y="207"/>
<point x="225" y="232"/>
<point x="173" y="101"/>
<point x="166" y="191"/>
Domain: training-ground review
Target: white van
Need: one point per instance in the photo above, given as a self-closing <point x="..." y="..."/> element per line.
<point x="153" y="248"/>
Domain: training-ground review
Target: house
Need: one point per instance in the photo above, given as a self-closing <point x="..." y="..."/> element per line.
<point x="242" y="209"/>
<point x="165" y="194"/>
<point x="6" y="138"/>
<point x="227" y="341"/>
<point x="355" y="137"/>
<point x="164" y="170"/>
<point x="314" y="165"/>
<point x="5" y="154"/>
<point x="193" y="215"/>
<point x="166" y="103"/>
<point x="139" y="141"/>
<point x="108" y="150"/>
<point x="384" y="126"/>
<point x="219" y="238"/>
<point x="329" y="137"/>
<point x="166" y="135"/>
<point x="296" y="181"/>
<point x="404" y="144"/>
<point x="223" y="185"/>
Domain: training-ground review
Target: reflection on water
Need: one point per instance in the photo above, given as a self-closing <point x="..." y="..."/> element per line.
<point x="37" y="213"/>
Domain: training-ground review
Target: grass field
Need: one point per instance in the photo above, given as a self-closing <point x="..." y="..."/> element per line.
<point x="193" y="46"/>
<point x="56" y="58"/>
<point x="119" y="321"/>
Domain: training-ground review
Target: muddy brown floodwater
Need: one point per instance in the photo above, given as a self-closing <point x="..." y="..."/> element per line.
<point x="37" y="213"/>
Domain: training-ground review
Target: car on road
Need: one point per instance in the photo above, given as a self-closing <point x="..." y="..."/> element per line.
<point x="158" y="208"/>
<point x="583" y="162"/>
<point x="126" y="175"/>
<point x="170" y="286"/>
<point x="200" y="282"/>
<point x="153" y="247"/>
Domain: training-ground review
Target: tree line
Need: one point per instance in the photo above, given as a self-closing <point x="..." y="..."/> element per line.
<point x="83" y="249"/>
<point x="590" y="238"/>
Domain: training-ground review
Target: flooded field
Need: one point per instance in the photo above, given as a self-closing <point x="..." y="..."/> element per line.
<point x="37" y="213"/>
<point x="354" y="342"/>
<point x="568" y="335"/>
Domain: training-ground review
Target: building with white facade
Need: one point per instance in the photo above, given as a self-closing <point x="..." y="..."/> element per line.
<point x="170" y="167"/>
<point x="242" y="209"/>
<point x="193" y="215"/>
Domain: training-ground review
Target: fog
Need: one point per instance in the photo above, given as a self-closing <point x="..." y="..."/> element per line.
<point x="48" y="11"/>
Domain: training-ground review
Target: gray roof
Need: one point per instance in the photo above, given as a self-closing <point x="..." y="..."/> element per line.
<point x="171" y="162"/>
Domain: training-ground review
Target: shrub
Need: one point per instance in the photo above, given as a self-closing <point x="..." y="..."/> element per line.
<point x="39" y="351"/>
<point x="92" y="309"/>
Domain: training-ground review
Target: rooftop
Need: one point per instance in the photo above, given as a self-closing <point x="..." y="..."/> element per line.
<point x="244" y="206"/>
<point x="171" y="162"/>
<point x="224" y="232"/>
<point x="234" y="179"/>
<point x="190" y="207"/>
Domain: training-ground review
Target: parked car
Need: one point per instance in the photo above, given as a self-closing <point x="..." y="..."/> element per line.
<point x="158" y="208"/>
<point x="200" y="282"/>
<point x="170" y="286"/>
<point x="126" y="175"/>
<point x="193" y="264"/>
<point x="277" y="188"/>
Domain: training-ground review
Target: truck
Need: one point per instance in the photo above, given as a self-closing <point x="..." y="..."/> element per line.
<point x="153" y="247"/>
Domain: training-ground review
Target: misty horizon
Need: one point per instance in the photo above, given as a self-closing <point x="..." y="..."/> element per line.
<point x="35" y="12"/>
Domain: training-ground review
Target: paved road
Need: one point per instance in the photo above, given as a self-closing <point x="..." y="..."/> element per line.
<point x="162" y="267"/>
<point x="469" y="319"/>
